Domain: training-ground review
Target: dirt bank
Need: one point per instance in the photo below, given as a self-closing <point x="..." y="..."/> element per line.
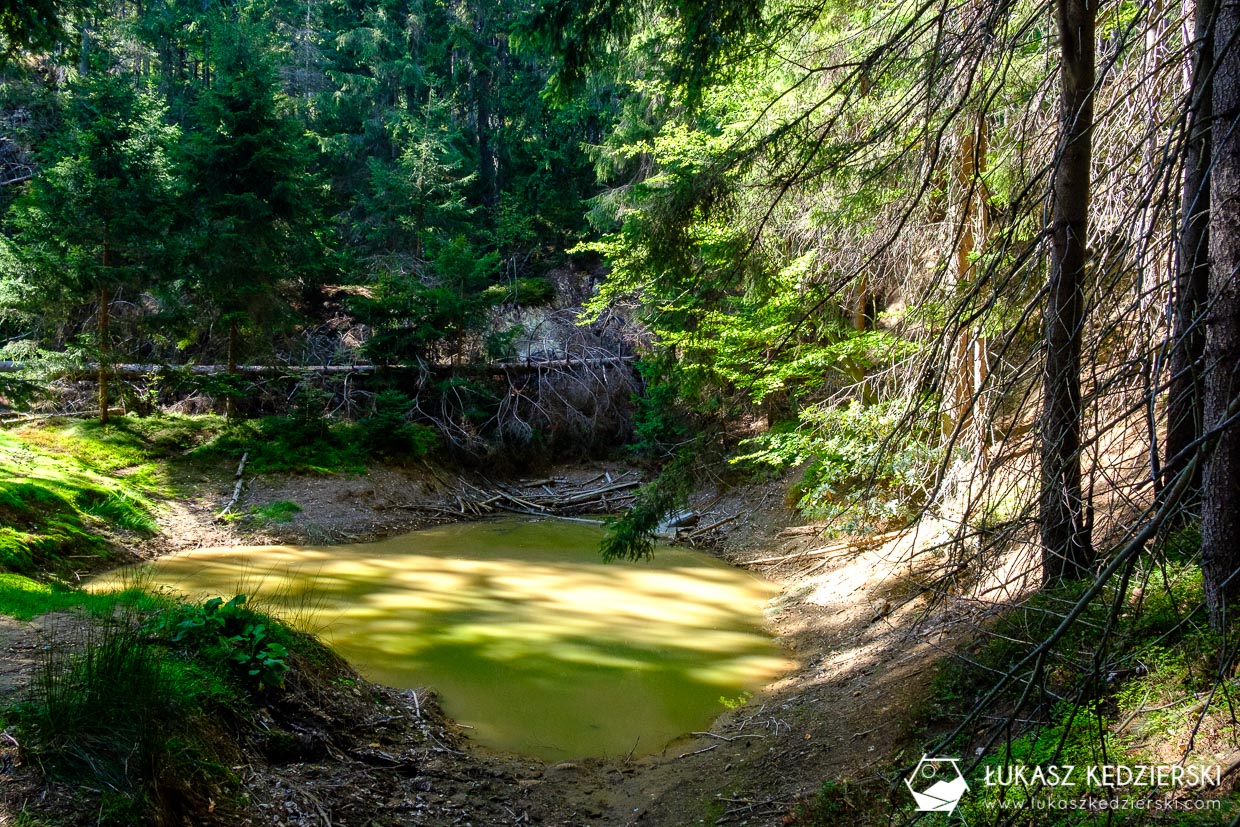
<point x="865" y="650"/>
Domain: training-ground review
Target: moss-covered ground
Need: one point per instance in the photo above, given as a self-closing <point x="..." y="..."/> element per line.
<point x="70" y="490"/>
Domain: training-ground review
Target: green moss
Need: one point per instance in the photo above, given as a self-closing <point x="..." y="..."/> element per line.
<point x="126" y="442"/>
<point x="42" y="526"/>
<point x="63" y="487"/>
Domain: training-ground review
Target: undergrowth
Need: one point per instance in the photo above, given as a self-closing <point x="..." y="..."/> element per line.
<point x="150" y="707"/>
<point x="306" y="441"/>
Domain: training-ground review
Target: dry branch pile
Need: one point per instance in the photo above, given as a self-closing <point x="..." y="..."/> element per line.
<point x="551" y="497"/>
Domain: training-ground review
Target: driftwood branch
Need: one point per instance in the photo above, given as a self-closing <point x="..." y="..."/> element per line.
<point x="706" y="529"/>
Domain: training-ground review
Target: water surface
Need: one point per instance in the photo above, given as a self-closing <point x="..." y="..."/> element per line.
<point x="527" y="637"/>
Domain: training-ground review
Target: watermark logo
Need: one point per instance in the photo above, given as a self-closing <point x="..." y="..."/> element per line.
<point x="937" y="784"/>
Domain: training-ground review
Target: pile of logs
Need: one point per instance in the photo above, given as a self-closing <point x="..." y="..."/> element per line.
<point x="603" y="494"/>
<point x="551" y="496"/>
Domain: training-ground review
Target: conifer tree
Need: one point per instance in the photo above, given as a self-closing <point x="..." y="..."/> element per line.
<point x="93" y="223"/>
<point x="258" y="230"/>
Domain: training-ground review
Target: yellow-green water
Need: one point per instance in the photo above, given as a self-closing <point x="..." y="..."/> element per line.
<point x="526" y="636"/>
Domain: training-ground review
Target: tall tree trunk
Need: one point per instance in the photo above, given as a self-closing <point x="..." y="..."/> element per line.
<point x="1067" y="551"/>
<point x="1192" y="279"/>
<point x="856" y="368"/>
<point x="968" y="361"/>
<point x="1220" y="515"/>
<point x="84" y="47"/>
<point x="486" y="152"/>
<point x="105" y="348"/>
<point x="230" y="401"/>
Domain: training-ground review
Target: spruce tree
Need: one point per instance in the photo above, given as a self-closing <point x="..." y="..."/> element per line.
<point x="258" y="230"/>
<point x="92" y="224"/>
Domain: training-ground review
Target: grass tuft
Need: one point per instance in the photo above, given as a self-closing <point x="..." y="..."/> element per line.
<point x="277" y="511"/>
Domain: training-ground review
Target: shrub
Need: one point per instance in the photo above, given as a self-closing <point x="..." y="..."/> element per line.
<point x="389" y="433"/>
<point x="228" y="633"/>
<point x="868" y="465"/>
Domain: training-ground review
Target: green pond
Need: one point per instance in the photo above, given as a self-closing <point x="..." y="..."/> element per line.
<point x="527" y="637"/>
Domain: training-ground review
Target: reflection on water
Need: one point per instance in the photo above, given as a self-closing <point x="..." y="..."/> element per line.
<point x="526" y="636"/>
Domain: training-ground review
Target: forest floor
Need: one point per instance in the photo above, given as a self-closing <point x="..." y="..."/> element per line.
<point x="865" y="643"/>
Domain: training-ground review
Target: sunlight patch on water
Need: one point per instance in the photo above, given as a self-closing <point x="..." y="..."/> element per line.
<point x="524" y="633"/>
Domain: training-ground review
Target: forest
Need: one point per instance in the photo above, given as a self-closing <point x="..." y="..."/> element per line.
<point x="948" y="282"/>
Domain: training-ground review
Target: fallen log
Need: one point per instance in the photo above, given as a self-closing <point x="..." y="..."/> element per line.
<point x="136" y="371"/>
<point x="599" y="492"/>
<point x="90" y="370"/>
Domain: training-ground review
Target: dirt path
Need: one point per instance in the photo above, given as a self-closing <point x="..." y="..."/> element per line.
<point x="865" y="650"/>
<point x="18" y="655"/>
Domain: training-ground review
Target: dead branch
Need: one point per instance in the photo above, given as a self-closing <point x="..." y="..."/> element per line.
<point x="240" y="483"/>
<point x="698" y="532"/>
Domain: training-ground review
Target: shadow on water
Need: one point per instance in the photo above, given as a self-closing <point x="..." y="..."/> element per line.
<point x="526" y="636"/>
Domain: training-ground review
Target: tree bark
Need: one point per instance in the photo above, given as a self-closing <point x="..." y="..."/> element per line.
<point x="105" y="348"/>
<point x="1220" y="518"/>
<point x="968" y="362"/>
<point x="486" y="152"/>
<point x="1066" y="548"/>
<point x="1192" y="279"/>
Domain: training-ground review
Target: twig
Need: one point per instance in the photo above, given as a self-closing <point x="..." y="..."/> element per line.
<point x="697" y="751"/>
<point x="852" y="543"/>
<point x="725" y="737"/>
<point x="801" y="530"/>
